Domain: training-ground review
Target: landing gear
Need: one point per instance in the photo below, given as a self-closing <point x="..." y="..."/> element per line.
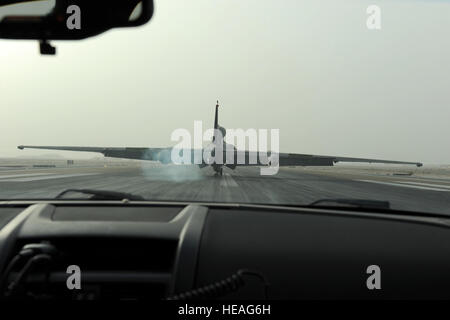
<point x="219" y="172"/>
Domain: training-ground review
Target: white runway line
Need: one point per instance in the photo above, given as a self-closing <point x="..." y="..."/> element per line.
<point x="48" y="177"/>
<point x="445" y="186"/>
<point x="22" y="175"/>
<point x="228" y="181"/>
<point x="404" y="185"/>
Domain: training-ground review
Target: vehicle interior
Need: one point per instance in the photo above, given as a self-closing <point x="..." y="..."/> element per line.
<point x="183" y="251"/>
<point x="87" y="213"/>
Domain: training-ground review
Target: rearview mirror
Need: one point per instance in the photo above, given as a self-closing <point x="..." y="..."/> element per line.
<point x="46" y="20"/>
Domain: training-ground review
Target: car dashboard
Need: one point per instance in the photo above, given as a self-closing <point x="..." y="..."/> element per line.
<point x="160" y="250"/>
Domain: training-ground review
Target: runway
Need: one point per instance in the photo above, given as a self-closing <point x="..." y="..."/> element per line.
<point x="243" y="185"/>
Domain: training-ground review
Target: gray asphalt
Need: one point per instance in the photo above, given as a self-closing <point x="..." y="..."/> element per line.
<point x="245" y="185"/>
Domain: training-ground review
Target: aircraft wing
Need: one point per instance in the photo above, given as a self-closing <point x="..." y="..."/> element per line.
<point x="297" y="159"/>
<point x="164" y="155"/>
<point x="156" y="154"/>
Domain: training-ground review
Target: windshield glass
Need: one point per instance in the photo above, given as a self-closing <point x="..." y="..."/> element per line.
<point x="343" y="99"/>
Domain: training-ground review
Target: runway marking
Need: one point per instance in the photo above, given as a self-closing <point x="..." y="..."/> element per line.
<point x="23" y="175"/>
<point x="228" y="181"/>
<point x="48" y="177"/>
<point x="406" y="185"/>
<point x="445" y="186"/>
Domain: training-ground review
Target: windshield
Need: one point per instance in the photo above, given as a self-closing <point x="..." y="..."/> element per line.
<point x="347" y="98"/>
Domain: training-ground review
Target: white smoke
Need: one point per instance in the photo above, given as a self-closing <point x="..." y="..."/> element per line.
<point x="171" y="172"/>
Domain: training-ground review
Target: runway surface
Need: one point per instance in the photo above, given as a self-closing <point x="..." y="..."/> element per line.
<point x="243" y="185"/>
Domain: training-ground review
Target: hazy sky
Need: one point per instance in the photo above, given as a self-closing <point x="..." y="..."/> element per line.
<point x="308" y="67"/>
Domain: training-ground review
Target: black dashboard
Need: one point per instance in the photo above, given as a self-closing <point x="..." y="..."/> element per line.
<point x="145" y="250"/>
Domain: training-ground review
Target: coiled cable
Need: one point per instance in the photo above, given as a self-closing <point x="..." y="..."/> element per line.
<point x="222" y="287"/>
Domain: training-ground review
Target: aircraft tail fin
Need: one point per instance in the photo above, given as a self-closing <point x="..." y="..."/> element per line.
<point x="216" y="119"/>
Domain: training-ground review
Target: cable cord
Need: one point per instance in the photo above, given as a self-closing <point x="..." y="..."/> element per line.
<point x="222" y="287"/>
